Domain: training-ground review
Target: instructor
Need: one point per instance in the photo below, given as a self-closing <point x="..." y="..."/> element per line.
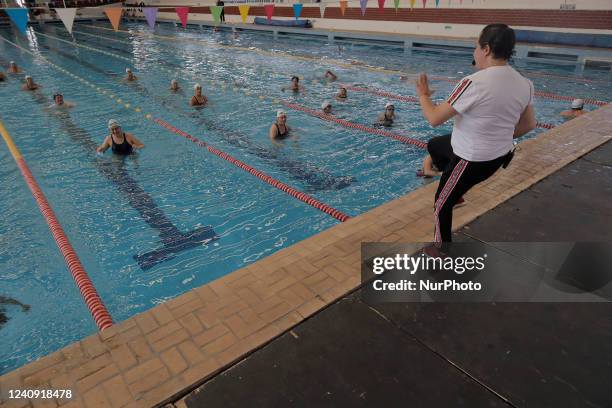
<point x="492" y="106"/>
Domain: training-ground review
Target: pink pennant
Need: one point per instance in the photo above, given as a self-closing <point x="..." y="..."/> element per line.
<point x="183" y="13"/>
<point x="424" y="3"/>
<point x="269" y="10"/>
<point x="381" y="4"/>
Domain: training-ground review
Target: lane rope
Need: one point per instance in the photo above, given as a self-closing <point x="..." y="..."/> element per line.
<point x="88" y="292"/>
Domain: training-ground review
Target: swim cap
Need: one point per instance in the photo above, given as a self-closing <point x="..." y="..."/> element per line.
<point x="196" y="86"/>
<point x="11" y="62"/>
<point x="57" y="93"/>
<point x="127" y="70"/>
<point x="28" y="77"/>
<point x="173" y="81"/>
<point x="389" y="104"/>
<point x="280" y="113"/>
<point x="577" y="104"/>
<point x="326" y="104"/>
<point x="113" y="124"/>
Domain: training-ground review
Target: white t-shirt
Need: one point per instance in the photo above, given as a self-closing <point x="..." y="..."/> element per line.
<point x="489" y="105"/>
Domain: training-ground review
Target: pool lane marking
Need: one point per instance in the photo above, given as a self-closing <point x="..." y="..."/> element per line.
<point x="413" y="99"/>
<point x="88" y="292"/>
<point x="312" y="112"/>
<point x="306" y="58"/>
<point x="306" y="198"/>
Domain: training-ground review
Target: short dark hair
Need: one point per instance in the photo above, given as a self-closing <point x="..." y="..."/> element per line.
<point x="500" y="38"/>
<point x="295" y="77"/>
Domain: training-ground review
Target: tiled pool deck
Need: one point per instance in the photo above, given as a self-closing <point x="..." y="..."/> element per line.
<point x="157" y="355"/>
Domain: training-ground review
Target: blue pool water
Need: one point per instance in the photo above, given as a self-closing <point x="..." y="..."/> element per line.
<point x="117" y="210"/>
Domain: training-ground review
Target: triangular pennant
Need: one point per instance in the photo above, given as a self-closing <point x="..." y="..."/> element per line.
<point x="363" y="4"/>
<point x="244" y="11"/>
<point x="322" y="9"/>
<point x="269" y="11"/>
<point x="437" y="3"/>
<point x="151" y="15"/>
<point x="297" y="10"/>
<point x="216" y="13"/>
<point x="424" y="3"/>
<point x="396" y="4"/>
<point x="343" y="4"/>
<point x="67" y="16"/>
<point x="19" y="17"/>
<point x="461" y="2"/>
<point x="183" y="13"/>
<point x="412" y="4"/>
<point x="114" y="15"/>
<point x="381" y="5"/>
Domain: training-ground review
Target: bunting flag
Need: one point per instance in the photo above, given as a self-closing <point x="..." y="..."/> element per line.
<point x="183" y="13"/>
<point x="67" y="16"/>
<point x="363" y="4"/>
<point x="412" y="4"/>
<point x="322" y="9"/>
<point x="151" y="15"/>
<point x="114" y="15"/>
<point x="437" y="3"/>
<point x="381" y="5"/>
<point x="216" y="13"/>
<point x="19" y="17"/>
<point x="244" y="12"/>
<point x="396" y="4"/>
<point x="297" y="10"/>
<point x="269" y="10"/>
<point x="343" y="4"/>
<point x="424" y="3"/>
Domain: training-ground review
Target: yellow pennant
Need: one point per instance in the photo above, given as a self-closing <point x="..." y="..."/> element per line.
<point x="244" y="11"/>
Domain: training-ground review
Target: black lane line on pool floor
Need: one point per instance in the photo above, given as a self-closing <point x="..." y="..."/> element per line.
<point x="173" y="240"/>
<point x="314" y="178"/>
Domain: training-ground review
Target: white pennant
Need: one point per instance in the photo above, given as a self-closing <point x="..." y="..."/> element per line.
<point x="322" y="9"/>
<point x="67" y="16"/>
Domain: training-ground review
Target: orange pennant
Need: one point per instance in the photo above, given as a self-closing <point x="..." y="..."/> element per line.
<point x="343" y="4"/>
<point x="114" y="15"/>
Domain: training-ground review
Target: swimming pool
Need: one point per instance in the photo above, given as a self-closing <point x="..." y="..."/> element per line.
<point x="116" y="211"/>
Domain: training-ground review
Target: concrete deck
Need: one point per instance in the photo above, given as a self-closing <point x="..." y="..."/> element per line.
<point x="160" y="355"/>
<point x="436" y="354"/>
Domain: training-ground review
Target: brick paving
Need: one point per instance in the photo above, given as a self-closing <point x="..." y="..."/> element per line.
<point x="155" y="356"/>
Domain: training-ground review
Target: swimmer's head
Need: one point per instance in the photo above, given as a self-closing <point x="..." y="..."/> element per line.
<point x="174" y="84"/>
<point x="281" y="114"/>
<point x="12" y="64"/>
<point x="389" y="106"/>
<point x="326" y="107"/>
<point x="128" y="71"/>
<point x="577" y="104"/>
<point x="295" y="79"/>
<point x="28" y="78"/>
<point x="113" y="124"/>
<point x="342" y="92"/>
<point x="58" y="98"/>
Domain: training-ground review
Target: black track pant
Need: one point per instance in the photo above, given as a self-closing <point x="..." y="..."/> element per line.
<point x="458" y="177"/>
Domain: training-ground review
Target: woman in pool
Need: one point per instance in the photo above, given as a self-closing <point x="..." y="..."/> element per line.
<point x="13" y="68"/>
<point x="326" y="107"/>
<point x="342" y="94"/>
<point x="295" y="85"/>
<point x="30" y="85"/>
<point x="388" y="116"/>
<point x="279" y="129"/>
<point x="119" y="141"/>
<point x="174" y="86"/>
<point x="492" y="107"/>
<point x="198" y="99"/>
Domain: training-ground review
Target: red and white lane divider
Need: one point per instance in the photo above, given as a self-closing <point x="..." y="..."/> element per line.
<point x="346" y="123"/>
<point x="337" y="214"/>
<point x="88" y="291"/>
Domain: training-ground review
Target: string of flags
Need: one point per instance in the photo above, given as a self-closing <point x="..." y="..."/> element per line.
<point x="19" y="15"/>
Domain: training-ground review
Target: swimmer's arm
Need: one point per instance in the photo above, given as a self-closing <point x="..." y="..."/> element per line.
<point x="566" y="114"/>
<point x="526" y="123"/>
<point x="193" y="101"/>
<point x="105" y="145"/>
<point x="436" y="114"/>
<point x="273" y="132"/>
<point x="134" y="142"/>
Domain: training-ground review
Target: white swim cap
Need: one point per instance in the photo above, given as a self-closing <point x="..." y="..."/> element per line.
<point x="28" y="77"/>
<point x="12" y="63"/>
<point x="280" y="113"/>
<point x="577" y="104"/>
<point x="326" y="104"/>
<point x="113" y="124"/>
<point x="196" y="86"/>
<point x="389" y="104"/>
<point x="127" y="70"/>
<point x="173" y="81"/>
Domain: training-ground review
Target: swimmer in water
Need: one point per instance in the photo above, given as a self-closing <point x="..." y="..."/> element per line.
<point x="174" y="86"/>
<point x="119" y="141"/>
<point x="295" y="85"/>
<point x="279" y="129"/>
<point x="30" y="85"/>
<point x="198" y="99"/>
<point x="330" y="76"/>
<point x="13" y="68"/>
<point x="60" y="103"/>
<point x="326" y="107"/>
<point x="342" y="94"/>
<point x="130" y="75"/>
<point x="2" y="76"/>
<point x="577" y="110"/>
<point x="388" y="116"/>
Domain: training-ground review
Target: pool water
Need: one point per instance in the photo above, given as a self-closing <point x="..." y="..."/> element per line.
<point x="120" y="212"/>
